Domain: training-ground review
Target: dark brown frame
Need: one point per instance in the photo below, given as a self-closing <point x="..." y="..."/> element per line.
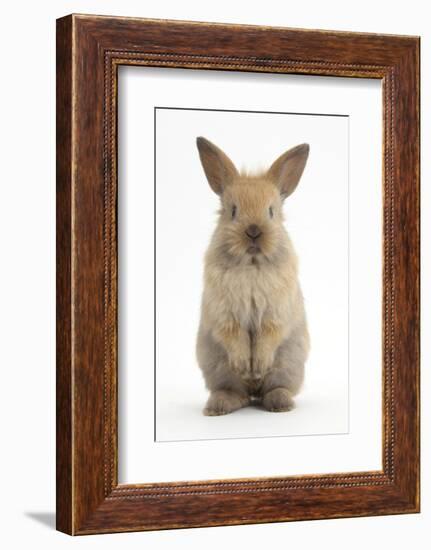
<point x="89" y="50"/>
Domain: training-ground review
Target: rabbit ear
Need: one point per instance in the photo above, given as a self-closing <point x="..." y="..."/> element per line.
<point x="219" y="169"/>
<point x="287" y="170"/>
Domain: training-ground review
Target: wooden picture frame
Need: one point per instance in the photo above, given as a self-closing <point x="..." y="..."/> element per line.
<point x="89" y="51"/>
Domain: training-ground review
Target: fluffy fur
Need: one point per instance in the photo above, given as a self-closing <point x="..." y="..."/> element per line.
<point x="253" y="339"/>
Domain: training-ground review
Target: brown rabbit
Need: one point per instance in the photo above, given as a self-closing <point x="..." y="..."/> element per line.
<point x="253" y="339"/>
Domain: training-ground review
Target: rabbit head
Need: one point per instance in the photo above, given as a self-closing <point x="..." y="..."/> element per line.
<point x="250" y="225"/>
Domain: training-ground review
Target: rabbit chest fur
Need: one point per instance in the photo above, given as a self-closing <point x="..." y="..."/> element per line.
<point x="250" y="295"/>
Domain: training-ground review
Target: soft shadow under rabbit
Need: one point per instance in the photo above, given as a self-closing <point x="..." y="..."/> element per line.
<point x="253" y="339"/>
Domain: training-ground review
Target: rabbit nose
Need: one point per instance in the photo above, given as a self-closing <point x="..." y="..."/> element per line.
<point x="253" y="231"/>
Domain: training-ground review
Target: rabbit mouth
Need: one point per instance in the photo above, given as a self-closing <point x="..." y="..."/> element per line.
<point x="253" y="249"/>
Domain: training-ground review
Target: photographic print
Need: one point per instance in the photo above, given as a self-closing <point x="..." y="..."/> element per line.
<point x="244" y="247"/>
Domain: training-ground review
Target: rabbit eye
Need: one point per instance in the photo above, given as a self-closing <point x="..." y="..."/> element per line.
<point x="233" y="211"/>
<point x="271" y="212"/>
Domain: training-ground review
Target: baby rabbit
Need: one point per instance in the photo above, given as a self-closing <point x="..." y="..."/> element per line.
<point x="253" y="339"/>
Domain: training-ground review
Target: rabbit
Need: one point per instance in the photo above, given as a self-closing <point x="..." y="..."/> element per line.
<point x="253" y="339"/>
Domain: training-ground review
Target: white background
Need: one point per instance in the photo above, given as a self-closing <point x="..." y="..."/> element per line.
<point x="317" y="218"/>
<point x="27" y="406"/>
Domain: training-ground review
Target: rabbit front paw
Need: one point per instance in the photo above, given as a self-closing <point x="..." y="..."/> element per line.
<point x="262" y="363"/>
<point x="240" y="364"/>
